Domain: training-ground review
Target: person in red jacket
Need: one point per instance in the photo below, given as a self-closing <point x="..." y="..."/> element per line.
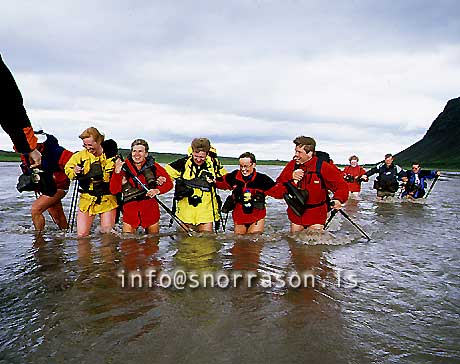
<point x="249" y="190"/>
<point x="14" y="119"/>
<point x="50" y="183"/>
<point x="312" y="178"/>
<point x="352" y="175"/>
<point x="140" y="208"/>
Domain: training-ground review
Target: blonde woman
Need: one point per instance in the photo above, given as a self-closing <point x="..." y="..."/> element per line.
<point x="93" y="169"/>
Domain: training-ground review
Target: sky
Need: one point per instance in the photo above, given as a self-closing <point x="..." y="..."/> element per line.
<point x="361" y="77"/>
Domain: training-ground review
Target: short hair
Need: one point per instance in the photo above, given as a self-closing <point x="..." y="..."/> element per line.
<point x="249" y="155"/>
<point x="201" y="145"/>
<point x="388" y="155"/>
<point x="308" y="143"/>
<point x="92" y="132"/>
<point x="353" y="157"/>
<point x="140" y="142"/>
<point x="416" y="163"/>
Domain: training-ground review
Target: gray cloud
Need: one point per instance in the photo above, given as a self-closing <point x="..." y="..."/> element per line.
<point x="244" y="73"/>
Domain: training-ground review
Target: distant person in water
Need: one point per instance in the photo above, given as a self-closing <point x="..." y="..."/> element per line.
<point x="389" y="175"/>
<point x="416" y="184"/>
<point x="14" y="119"/>
<point x="352" y="175"/>
<point x="247" y="201"/>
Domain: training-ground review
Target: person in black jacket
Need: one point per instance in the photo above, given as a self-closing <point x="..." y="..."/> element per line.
<point x="14" y="119"/>
<point x="389" y="175"/>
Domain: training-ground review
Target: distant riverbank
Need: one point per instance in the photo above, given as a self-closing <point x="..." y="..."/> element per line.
<point x="162" y="158"/>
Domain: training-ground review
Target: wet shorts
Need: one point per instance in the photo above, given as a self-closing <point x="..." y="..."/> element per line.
<point x="141" y="213"/>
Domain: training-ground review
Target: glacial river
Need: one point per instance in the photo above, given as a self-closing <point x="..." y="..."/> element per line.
<point x="394" y="299"/>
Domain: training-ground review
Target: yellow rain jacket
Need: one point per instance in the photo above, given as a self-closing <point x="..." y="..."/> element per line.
<point x="202" y="213"/>
<point x="89" y="202"/>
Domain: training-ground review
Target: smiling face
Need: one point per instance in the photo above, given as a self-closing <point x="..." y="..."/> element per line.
<point x="354" y="162"/>
<point x="389" y="161"/>
<point x="92" y="146"/>
<point x="246" y="166"/>
<point x="199" y="157"/>
<point x="301" y="156"/>
<point x="139" y="154"/>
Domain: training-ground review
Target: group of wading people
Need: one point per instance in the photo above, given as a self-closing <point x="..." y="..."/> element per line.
<point x="108" y="184"/>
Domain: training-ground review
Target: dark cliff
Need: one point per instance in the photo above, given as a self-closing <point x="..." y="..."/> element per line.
<point x="440" y="147"/>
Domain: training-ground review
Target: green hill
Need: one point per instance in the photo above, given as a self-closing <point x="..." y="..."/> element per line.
<point x="162" y="158"/>
<point x="440" y="147"/>
<point x="9" y="156"/>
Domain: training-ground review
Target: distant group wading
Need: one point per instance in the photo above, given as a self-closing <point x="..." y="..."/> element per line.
<point x="108" y="185"/>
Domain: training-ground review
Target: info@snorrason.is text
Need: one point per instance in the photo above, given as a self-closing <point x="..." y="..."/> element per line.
<point x="181" y="279"/>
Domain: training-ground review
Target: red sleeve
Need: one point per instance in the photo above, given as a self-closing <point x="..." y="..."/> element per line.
<point x="115" y="182"/>
<point x="278" y="190"/>
<point x="334" y="182"/>
<point x="64" y="158"/>
<point x="168" y="185"/>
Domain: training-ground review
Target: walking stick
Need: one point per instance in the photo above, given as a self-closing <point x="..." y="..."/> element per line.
<point x="166" y="208"/>
<point x="431" y="186"/>
<point x="354" y="224"/>
<point x="333" y="213"/>
<point x="73" y="207"/>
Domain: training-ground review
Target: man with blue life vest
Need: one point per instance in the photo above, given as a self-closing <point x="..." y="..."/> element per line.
<point x="389" y="175"/>
<point x="415" y="185"/>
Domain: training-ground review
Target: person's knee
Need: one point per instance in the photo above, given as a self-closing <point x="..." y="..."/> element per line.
<point x="36" y="210"/>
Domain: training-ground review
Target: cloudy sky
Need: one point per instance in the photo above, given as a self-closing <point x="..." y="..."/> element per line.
<point x="361" y="77"/>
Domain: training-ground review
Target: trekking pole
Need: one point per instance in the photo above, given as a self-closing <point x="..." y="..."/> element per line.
<point x="331" y="216"/>
<point x="401" y="187"/>
<point x="73" y="207"/>
<point x="431" y="186"/>
<point x="354" y="224"/>
<point x="166" y="208"/>
<point x="216" y="228"/>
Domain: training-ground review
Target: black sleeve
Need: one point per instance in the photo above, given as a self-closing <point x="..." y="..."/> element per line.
<point x="266" y="182"/>
<point x="179" y="165"/>
<point x="13" y="116"/>
<point x="372" y="171"/>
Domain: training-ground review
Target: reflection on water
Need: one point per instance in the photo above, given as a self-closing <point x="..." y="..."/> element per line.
<point x="393" y="299"/>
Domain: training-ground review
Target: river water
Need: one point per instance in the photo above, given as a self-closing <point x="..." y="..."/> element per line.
<point x="394" y="299"/>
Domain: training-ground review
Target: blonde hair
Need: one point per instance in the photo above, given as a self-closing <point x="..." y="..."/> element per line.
<point x="92" y="132"/>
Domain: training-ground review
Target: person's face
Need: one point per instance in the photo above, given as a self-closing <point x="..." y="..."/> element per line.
<point x="91" y="145"/>
<point x="301" y="156"/>
<point x="199" y="157"/>
<point x="415" y="168"/>
<point x="139" y="154"/>
<point x="353" y="162"/>
<point x="246" y="166"/>
<point x="389" y="161"/>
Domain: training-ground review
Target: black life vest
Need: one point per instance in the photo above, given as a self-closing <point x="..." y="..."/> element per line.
<point x="135" y="192"/>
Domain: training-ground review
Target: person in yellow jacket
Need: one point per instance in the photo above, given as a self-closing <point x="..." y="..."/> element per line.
<point x="195" y="193"/>
<point x="93" y="169"/>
